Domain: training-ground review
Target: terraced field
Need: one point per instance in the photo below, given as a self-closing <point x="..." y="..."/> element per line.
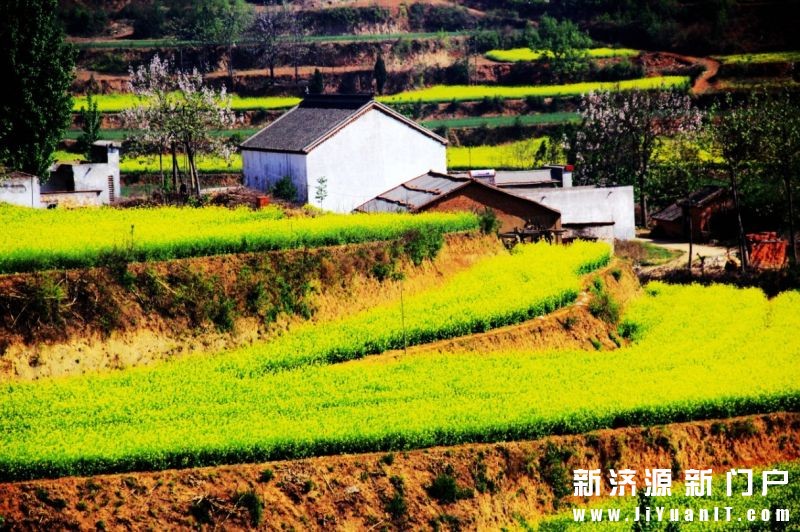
<point x="516" y="55"/>
<point x="686" y="362"/>
<point x="87" y="237"/>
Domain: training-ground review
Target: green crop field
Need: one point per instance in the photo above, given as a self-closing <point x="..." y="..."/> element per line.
<point x="537" y="279"/>
<point x="117" y="102"/>
<point x="514" y="156"/>
<point x="787" y="497"/>
<point x="503" y="121"/>
<point x="465" y="93"/>
<point x="697" y="353"/>
<point x="516" y="55"/>
<point x="769" y="57"/>
<point x="206" y="164"/>
<point x="60" y="238"/>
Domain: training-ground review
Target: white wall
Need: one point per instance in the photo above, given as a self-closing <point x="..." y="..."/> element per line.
<point x="368" y="157"/>
<point x="21" y="191"/>
<point x="579" y="205"/>
<point x="95" y="176"/>
<point x="263" y="169"/>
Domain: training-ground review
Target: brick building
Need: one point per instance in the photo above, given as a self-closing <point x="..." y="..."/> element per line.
<point x="441" y="192"/>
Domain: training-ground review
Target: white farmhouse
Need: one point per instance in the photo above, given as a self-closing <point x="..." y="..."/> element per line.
<point x="357" y="146"/>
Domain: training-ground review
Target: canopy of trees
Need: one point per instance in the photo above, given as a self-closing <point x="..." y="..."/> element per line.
<point x="36" y="106"/>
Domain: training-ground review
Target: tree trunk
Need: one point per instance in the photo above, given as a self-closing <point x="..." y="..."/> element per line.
<point x="688" y="212"/>
<point x="174" y="167"/>
<point x="643" y="201"/>
<point x="272" y="73"/>
<point x="792" y="237"/>
<point x="195" y="180"/>
<point x="740" y="226"/>
<point x="161" y="168"/>
<point x="230" y="65"/>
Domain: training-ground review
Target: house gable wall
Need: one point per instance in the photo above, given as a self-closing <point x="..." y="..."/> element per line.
<point x="372" y="154"/>
<point x="263" y="169"/>
<point x="20" y="191"/>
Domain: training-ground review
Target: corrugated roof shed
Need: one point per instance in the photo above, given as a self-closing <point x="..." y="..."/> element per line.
<point x="415" y="194"/>
<point x="421" y="191"/>
<point x="315" y="119"/>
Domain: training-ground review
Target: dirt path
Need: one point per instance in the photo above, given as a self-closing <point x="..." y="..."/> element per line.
<point x="702" y="250"/>
<point x="703" y="82"/>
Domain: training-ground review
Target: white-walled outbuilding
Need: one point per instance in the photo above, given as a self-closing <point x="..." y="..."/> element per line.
<point x="358" y="146"/>
<point x="20" y="188"/>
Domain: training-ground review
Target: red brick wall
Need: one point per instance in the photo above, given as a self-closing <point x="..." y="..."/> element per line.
<point x="510" y="210"/>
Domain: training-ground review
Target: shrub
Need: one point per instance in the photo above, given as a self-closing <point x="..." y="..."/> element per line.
<point x="553" y="470"/>
<point x="266" y="475"/>
<point x="422" y="244"/>
<point x="285" y="189"/>
<point x="250" y="501"/>
<point x="396" y="506"/>
<point x="201" y="510"/>
<point x="602" y="305"/>
<point x="488" y="221"/>
<point x="445" y="489"/>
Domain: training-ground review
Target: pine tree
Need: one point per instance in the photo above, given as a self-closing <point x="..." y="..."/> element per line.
<point x="37" y="106"/>
<point x="317" y="84"/>
<point x="90" y="124"/>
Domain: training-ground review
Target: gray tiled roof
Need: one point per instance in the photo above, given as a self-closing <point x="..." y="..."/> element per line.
<point x="305" y="124"/>
<point x="316" y="117"/>
<point x="414" y="194"/>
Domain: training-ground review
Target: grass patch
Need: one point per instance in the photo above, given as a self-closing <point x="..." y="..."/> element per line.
<point x="645" y="253"/>
<point x="768" y="57"/>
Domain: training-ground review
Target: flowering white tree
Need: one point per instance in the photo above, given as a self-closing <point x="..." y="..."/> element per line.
<point x="176" y="113"/>
<point x="621" y="131"/>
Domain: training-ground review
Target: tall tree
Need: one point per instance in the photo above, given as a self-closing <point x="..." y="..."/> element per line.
<point x="380" y="74"/>
<point x="621" y="131"/>
<point x="268" y="30"/>
<point x="738" y="134"/>
<point x="178" y="112"/>
<point x="201" y="110"/>
<point x="90" y="123"/>
<point x="296" y="42"/>
<point x="36" y="108"/>
<point x="566" y="45"/>
<point x="781" y="138"/>
<point x="152" y="119"/>
<point x="215" y="23"/>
